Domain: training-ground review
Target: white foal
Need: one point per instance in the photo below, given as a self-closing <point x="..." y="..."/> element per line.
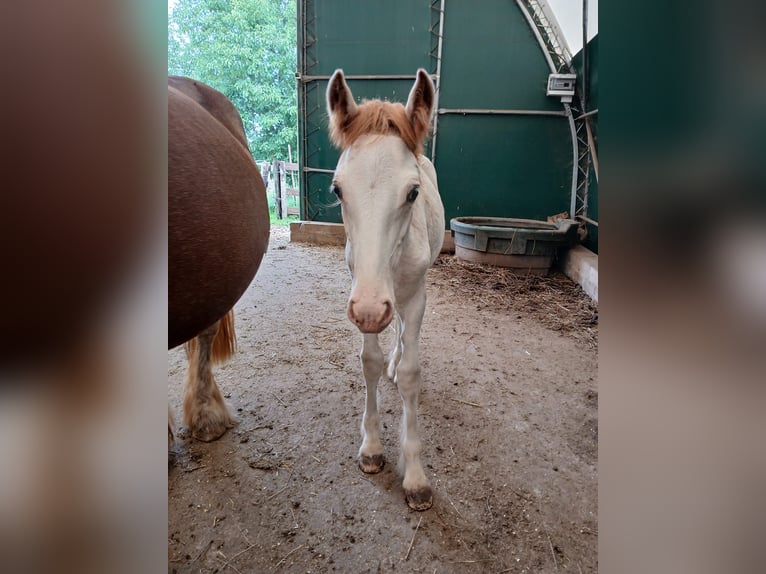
<point x="394" y="221"/>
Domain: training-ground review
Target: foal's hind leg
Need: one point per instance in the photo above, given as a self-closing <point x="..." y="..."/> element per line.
<point x="396" y="351"/>
<point x="205" y="413"/>
<point x="371" y="453"/>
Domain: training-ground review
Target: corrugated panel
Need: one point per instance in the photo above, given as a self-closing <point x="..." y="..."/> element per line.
<point x="371" y="37"/>
<point x="503" y="166"/>
<point x="507" y="166"/>
<point x="491" y="59"/>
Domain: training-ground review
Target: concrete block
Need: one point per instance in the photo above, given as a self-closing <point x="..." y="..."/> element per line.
<point x="321" y="233"/>
<point x="449" y="243"/>
<point x="318" y="233"/>
<point x="581" y="266"/>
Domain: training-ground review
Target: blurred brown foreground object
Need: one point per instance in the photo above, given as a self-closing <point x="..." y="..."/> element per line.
<point x="83" y="290"/>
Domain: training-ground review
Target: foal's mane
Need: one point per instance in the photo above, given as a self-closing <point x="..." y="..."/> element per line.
<point x="376" y="117"/>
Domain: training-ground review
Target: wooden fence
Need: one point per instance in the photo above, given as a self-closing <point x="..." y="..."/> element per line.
<point x="285" y="185"/>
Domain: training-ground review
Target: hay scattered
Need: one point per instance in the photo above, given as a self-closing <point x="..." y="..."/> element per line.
<point x="554" y="300"/>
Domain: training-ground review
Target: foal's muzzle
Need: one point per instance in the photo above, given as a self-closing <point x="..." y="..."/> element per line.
<point x="370" y="316"/>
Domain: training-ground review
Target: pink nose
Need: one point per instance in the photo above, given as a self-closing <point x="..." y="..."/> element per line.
<point x="370" y="316"/>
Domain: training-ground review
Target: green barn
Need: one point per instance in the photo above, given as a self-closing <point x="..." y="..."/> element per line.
<point x="502" y="144"/>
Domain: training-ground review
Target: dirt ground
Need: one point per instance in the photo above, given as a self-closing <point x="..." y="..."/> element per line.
<point x="508" y="419"/>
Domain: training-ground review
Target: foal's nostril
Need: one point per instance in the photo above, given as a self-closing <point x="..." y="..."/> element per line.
<point x="389" y="310"/>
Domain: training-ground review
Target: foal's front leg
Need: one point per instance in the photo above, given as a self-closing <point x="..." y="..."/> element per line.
<point x="417" y="490"/>
<point x="371" y="453"/>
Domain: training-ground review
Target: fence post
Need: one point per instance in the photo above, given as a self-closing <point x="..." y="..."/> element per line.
<point x="283" y="188"/>
<point x="277" y="190"/>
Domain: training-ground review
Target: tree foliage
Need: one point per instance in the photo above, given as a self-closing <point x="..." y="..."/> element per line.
<point x="245" y="49"/>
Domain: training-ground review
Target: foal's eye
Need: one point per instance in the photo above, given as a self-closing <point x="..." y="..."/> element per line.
<point x="412" y="194"/>
<point x="336" y="190"/>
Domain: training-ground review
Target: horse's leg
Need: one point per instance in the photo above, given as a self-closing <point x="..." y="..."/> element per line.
<point x="171" y="428"/>
<point x="417" y="489"/>
<point x="396" y="351"/>
<point x="205" y="413"/>
<point x="371" y="452"/>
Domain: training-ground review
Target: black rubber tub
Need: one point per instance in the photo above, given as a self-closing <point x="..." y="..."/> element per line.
<point x="523" y="244"/>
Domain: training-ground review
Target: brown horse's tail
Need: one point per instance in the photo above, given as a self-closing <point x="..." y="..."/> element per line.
<point x="224" y="342"/>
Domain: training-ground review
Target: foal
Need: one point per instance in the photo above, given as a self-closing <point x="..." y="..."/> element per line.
<point x="394" y="221"/>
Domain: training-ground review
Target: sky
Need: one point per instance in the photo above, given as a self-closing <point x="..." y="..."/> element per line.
<point x="569" y="15"/>
<point x="567" y="12"/>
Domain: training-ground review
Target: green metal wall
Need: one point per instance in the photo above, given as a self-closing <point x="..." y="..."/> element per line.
<point x="494" y="165"/>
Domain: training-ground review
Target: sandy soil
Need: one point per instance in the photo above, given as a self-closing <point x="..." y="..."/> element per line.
<point x="508" y="417"/>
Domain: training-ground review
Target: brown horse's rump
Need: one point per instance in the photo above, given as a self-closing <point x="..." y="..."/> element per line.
<point x="218" y="221"/>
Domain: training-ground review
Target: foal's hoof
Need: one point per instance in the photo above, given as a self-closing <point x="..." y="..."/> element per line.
<point x="419" y="499"/>
<point x="372" y="464"/>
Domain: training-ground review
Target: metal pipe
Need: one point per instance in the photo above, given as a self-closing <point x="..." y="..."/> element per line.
<point x="303" y="186"/>
<point x="592" y="148"/>
<point x="317" y="170"/>
<point x="307" y="78"/>
<point x="501" y="112"/>
<point x="588" y="220"/>
<point x="587" y="114"/>
<point x="438" y="79"/>
<point x="573" y="130"/>
<point x="584" y="55"/>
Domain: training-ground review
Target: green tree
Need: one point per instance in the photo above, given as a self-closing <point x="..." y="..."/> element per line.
<point x="245" y="49"/>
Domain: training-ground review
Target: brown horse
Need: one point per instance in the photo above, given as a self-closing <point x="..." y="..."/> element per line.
<point x="218" y="232"/>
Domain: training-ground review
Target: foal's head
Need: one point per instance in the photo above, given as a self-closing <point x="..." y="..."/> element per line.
<point x="377" y="183"/>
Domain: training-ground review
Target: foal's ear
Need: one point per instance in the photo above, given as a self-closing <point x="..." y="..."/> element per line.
<point x="341" y="107"/>
<point x="420" y="105"/>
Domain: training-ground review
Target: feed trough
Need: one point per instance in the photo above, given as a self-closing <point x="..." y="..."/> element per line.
<point x="524" y="244"/>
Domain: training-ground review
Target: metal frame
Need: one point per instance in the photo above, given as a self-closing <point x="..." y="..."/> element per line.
<point x="439" y="15"/>
<point x="467" y="111"/>
<point x="545" y="28"/>
<point x="306" y="38"/>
